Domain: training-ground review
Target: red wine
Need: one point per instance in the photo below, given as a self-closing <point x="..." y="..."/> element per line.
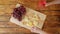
<point x="19" y="12"/>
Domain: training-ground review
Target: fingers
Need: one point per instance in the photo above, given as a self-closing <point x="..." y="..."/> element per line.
<point x="53" y="2"/>
<point x="37" y="30"/>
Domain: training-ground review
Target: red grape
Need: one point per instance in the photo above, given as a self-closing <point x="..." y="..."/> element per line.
<point x="19" y="12"/>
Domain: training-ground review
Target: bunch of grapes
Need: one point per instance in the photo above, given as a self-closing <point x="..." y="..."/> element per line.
<point x="19" y="12"/>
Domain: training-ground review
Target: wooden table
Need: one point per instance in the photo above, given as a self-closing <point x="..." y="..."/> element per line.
<point x="52" y="23"/>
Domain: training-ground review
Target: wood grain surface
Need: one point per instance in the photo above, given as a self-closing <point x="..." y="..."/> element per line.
<point x="52" y="23"/>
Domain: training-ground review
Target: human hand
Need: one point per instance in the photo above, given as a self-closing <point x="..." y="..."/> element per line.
<point x="37" y="30"/>
<point x="53" y="2"/>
